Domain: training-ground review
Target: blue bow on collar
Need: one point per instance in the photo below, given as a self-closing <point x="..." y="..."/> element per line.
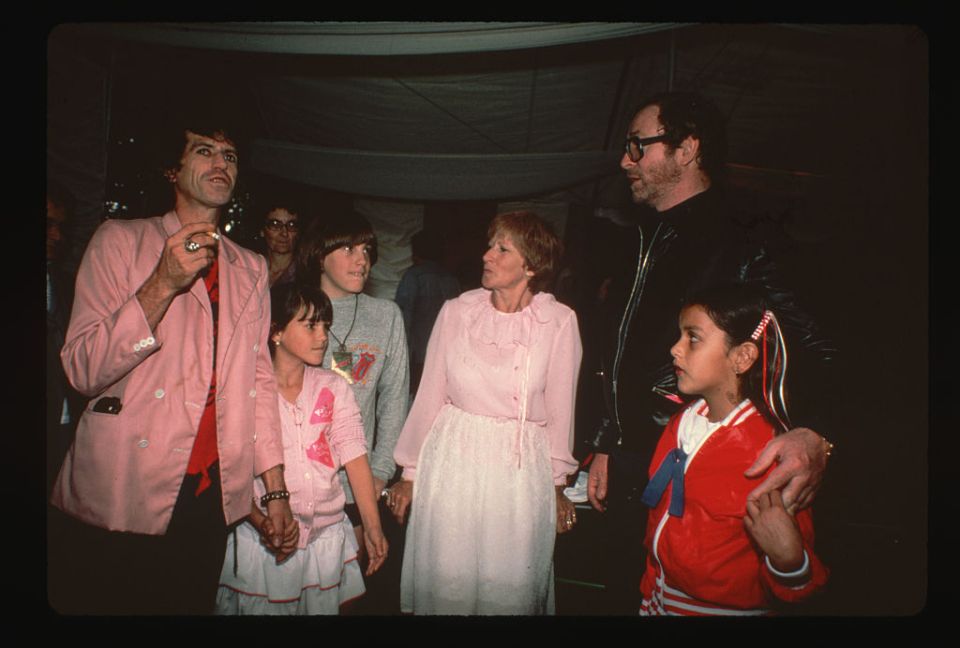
<point x="671" y="469"/>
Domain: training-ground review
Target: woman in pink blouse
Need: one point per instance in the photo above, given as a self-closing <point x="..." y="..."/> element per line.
<point x="486" y="448"/>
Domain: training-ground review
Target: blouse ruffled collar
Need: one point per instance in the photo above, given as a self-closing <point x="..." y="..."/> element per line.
<point x="488" y="325"/>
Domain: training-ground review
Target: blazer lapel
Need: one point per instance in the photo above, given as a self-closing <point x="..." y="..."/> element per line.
<point x="237" y="287"/>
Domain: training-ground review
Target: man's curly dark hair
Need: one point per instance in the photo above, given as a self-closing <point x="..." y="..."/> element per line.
<point x="690" y="114"/>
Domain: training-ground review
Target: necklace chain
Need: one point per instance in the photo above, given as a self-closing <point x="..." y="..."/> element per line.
<point x="343" y="342"/>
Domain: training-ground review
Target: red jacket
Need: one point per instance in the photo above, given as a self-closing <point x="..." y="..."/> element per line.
<point x="706" y="554"/>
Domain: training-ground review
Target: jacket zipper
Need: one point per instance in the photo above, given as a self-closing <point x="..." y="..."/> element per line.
<point x="643" y="267"/>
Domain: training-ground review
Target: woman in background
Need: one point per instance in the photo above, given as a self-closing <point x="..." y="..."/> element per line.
<point x="280" y="229"/>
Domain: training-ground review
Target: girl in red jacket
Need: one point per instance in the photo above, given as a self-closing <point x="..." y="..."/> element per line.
<point x="710" y="551"/>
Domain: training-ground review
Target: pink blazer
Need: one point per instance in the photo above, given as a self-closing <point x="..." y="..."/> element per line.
<point x="124" y="469"/>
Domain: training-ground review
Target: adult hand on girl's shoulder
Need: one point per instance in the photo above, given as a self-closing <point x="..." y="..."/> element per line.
<point x="775" y="531"/>
<point x="566" y="512"/>
<point x="377" y="547"/>
<point x="399" y="497"/>
<point x="801" y="455"/>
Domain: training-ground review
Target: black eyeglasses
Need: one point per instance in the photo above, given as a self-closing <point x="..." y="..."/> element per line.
<point x="634" y="145"/>
<point x="275" y="225"/>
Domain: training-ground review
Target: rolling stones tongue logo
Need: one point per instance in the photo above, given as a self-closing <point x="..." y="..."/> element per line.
<point x="363" y="365"/>
<point x="322" y="412"/>
<point x="343" y="365"/>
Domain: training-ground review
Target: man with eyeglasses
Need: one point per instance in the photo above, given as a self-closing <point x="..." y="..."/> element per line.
<point x="673" y="160"/>
<point x="168" y="338"/>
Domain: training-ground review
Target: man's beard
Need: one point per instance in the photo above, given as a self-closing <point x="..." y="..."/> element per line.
<point x="656" y="182"/>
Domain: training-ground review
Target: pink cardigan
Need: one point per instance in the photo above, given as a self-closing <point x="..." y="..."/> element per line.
<point x="329" y="435"/>
<point x="476" y="360"/>
<point x="124" y="470"/>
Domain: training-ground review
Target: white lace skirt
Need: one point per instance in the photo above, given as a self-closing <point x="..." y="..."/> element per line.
<point x="481" y="530"/>
<point x="317" y="579"/>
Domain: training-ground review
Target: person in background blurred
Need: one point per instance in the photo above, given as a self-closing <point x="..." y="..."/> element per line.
<point x="280" y="229"/>
<point x="420" y="295"/>
<point x="64" y="403"/>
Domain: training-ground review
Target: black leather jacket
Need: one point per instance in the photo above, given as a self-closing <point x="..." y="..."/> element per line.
<point x="694" y="244"/>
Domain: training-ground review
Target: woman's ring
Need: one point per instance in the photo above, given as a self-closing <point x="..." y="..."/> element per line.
<point x="191" y="246"/>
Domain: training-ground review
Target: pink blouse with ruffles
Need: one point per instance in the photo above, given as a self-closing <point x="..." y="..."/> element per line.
<point x="521" y="366"/>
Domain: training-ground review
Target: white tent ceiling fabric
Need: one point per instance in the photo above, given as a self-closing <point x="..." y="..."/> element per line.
<point x="429" y="177"/>
<point x="457" y="95"/>
<point x="555" y="109"/>
<point x="497" y="111"/>
<point x="380" y="38"/>
<point x="520" y="130"/>
<point x="444" y="137"/>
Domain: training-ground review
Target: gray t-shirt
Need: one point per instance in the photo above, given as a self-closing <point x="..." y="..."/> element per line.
<point x="379" y="373"/>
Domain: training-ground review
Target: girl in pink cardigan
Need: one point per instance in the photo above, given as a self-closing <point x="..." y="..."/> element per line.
<point x="322" y="431"/>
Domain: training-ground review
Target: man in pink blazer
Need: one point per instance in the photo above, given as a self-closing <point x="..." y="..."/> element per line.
<point x="168" y="338"/>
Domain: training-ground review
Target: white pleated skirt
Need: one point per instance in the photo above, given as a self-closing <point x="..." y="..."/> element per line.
<point x="483" y="520"/>
<point x="317" y="579"/>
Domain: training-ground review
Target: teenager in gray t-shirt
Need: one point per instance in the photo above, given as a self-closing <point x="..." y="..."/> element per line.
<point x="371" y="332"/>
<point x="367" y="344"/>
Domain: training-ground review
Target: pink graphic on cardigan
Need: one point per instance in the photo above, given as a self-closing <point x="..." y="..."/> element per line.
<point x="319" y="451"/>
<point x="363" y="366"/>
<point x="323" y="408"/>
<point x="322" y="412"/>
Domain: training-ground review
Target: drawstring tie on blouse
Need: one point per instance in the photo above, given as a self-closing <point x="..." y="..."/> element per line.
<point x="524" y="377"/>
